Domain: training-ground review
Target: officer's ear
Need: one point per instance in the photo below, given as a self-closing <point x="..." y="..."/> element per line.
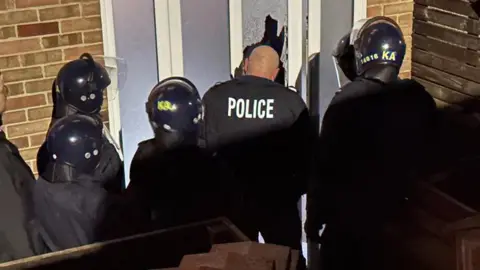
<point x="245" y="65"/>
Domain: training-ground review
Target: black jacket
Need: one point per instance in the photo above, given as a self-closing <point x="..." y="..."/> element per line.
<point x="69" y="213"/>
<point x="263" y="130"/>
<point x="78" y="212"/>
<point x="372" y="143"/>
<point x="18" y="237"/>
<point x="176" y="186"/>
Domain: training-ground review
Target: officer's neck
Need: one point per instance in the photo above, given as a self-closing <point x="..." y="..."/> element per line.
<point x="259" y="75"/>
<point x="383" y="74"/>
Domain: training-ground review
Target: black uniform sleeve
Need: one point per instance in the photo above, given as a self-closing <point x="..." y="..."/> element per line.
<point x="304" y="137"/>
<point x="17" y="237"/>
<point x="209" y="133"/>
<point x="137" y="168"/>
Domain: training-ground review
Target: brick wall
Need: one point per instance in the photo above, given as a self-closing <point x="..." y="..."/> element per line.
<point x="36" y="38"/>
<point x="402" y="12"/>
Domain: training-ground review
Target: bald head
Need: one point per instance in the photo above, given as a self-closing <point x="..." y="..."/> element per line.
<point x="263" y="62"/>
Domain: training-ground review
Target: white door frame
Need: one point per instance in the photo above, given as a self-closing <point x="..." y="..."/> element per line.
<point x="168" y="25"/>
<point x="236" y="33"/>
<point x="359" y="10"/>
<point x="109" y="51"/>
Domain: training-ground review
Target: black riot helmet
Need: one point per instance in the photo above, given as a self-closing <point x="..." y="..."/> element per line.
<point x="80" y="84"/>
<point x="377" y="42"/>
<point x="175" y="110"/>
<point x="344" y="60"/>
<point x="76" y="141"/>
<point x="174" y="105"/>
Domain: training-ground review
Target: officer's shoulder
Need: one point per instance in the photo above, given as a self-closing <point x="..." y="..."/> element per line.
<point x="416" y="90"/>
<point x="411" y="86"/>
<point x="145" y="143"/>
<point x="219" y="85"/>
<point x="291" y="96"/>
<point x="213" y="92"/>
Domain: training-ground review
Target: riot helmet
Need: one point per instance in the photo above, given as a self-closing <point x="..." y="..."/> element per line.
<point x="175" y="109"/>
<point x="344" y="60"/>
<point x="79" y="87"/>
<point x="76" y="142"/>
<point x="378" y="42"/>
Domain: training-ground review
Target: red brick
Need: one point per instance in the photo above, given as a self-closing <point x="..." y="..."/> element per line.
<point x="62" y="40"/>
<point x="20" y="142"/>
<point x="34" y="3"/>
<point x="39" y="113"/>
<point x="81" y="24"/>
<point x="14" y="117"/>
<point x="7" y="32"/>
<point x="397" y="8"/>
<point x="16" y="17"/>
<point x="377" y="2"/>
<point x="405" y="75"/>
<point x="407" y="31"/>
<point x="73" y="1"/>
<point x="60" y="12"/>
<point x="405" y="19"/>
<point x="16" y="75"/>
<point x="269" y="252"/>
<point x="29" y="154"/>
<point x="74" y="53"/>
<point x="37" y="139"/>
<point x="33" y="167"/>
<point x="92" y="36"/>
<point x="9" y="62"/>
<point x="39" y="58"/>
<point x="408" y="42"/>
<point x="19" y="46"/>
<point x="104" y="114"/>
<point x="38" y="29"/>
<point x="26" y="102"/>
<point x="52" y="70"/>
<point x="44" y="85"/>
<point x="15" y="89"/>
<point x="89" y="9"/>
<point x="374" y="11"/>
<point x="49" y="98"/>
<point x="3" y="4"/>
<point x="28" y="128"/>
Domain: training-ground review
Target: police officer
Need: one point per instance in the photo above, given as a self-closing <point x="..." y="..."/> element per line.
<point x="174" y="179"/>
<point x="71" y="205"/>
<point x="370" y="147"/>
<point x="262" y="130"/>
<point x="79" y="89"/>
<point x="271" y="39"/>
<point x="18" y="238"/>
